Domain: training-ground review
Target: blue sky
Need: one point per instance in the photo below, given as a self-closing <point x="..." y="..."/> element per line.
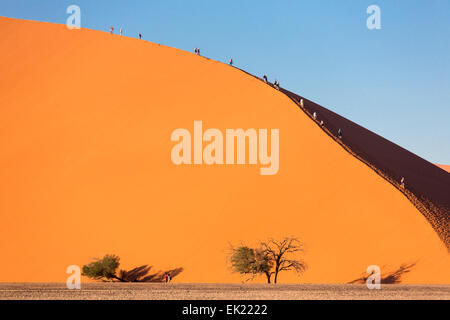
<point x="394" y="81"/>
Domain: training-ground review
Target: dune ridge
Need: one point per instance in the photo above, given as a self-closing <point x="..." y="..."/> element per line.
<point x="444" y="167"/>
<point x="85" y="169"/>
<point x="427" y="188"/>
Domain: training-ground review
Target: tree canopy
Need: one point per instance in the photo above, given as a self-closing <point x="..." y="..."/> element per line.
<point x="251" y="262"/>
<point x="105" y="269"/>
<point x="102" y="269"/>
<point x="270" y="258"/>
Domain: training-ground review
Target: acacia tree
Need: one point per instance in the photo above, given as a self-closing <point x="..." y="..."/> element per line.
<point x="105" y="269"/>
<point x="270" y="258"/>
<point x="102" y="269"/>
<point x="249" y="261"/>
<point x="281" y="253"/>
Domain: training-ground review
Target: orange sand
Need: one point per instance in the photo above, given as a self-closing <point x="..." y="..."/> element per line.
<point x="85" y="168"/>
<point x="444" y="166"/>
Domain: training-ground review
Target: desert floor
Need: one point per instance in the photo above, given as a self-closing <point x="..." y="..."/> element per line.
<point x="185" y="291"/>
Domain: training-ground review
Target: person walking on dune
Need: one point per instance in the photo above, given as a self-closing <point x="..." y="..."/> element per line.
<point x="121" y="31"/>
<point x="111" y="30"/>
<point x="140" y="36"/>
<point x="315" y="115"/>
<point x="231" y="62"/>
<point x="198" y="51"/>
<point x="402" y="183"/>
<point x="276" y="84"/>
<point x="195" y="50"/>
<point x="265" y="78"/>
<point x="340" y="133"/>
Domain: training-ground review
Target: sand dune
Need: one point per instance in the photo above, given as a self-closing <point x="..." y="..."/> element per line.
<point x="85" y="169"/>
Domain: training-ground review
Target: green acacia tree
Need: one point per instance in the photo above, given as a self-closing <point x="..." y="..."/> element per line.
<point x="102" y="269"/>
<point x="251" y="262"/>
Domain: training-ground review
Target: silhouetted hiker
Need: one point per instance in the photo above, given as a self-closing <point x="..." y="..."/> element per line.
<point x="120" y="31"/>
<point x="111" y="30"/>
<point x="195" y="50"/>
<point x="140" y="36"/>
<point x="169" y="277"/>
<point x="198" y="51"/>
<point x="340" y="133"/>
<point x="231" y="62"/>
<point x="402" y="182"/>
<point x="265" y="78"/>
<point x="301" y="102"/>
<point x="166" y="277"/>
<point x="321" y="123"/>
<point x="315" y="116"/>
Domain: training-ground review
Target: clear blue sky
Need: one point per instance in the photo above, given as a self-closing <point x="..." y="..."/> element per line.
<point x="394" y="81"/>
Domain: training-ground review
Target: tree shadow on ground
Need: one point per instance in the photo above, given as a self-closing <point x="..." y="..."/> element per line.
<point x="392" y="277"/>
<point x="141" y="274"/>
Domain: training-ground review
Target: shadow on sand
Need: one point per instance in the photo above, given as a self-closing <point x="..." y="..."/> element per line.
<point x="141" y="274"/>
<point x="392" y="277"/>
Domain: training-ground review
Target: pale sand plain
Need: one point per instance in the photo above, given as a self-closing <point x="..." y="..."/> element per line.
<point x="186" y="291"/>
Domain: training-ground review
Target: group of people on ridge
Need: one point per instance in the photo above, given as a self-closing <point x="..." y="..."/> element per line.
<point x="276" y="84"/>
<point x="197" y="52"/>
<point x="339" y="133"/>
<point x="111" y="30"/>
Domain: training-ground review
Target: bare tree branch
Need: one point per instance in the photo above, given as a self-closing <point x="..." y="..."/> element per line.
<point x="280" y="250"/>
